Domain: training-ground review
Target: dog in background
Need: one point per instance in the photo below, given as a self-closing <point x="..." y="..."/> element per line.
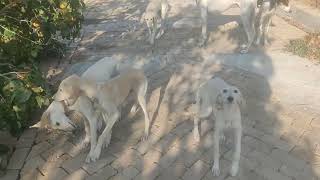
<point x="156" y="11"/>
<point x="247" y="13"/>
<point x="223" y="101"/>
<point x="266" y="9"/>
<point x="106" y="98"/>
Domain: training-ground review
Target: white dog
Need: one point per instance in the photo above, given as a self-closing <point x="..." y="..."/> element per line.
<point x="266" y="9"/>
<point x="107" y="98"/>
<point x="223" y="101"/>
<point x="55" y="115"/>
<point x="247" y="14"/>
<point x="156" y="11"/>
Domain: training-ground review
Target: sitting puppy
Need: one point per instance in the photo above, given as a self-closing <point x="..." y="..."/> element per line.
<point x="223" y="101"/>
<point x="154" y="10"/>
<point x="107" y="98"/>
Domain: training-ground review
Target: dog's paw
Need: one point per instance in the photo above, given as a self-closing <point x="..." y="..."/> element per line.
<point x="234" y="169"/>
<point x="244" y="49"/>
<point x="145" y="137"/>
<point x="202" y="43"/>
<point x="94" y="156"/>
<point x="215" y="170"/>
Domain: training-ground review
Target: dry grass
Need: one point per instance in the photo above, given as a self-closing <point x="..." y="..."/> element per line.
<point x="308" y="47"/>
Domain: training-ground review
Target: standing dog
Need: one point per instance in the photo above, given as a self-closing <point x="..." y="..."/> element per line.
<point x="223" y="101"/>
<point x="247" y="14"/>
<point x="155" y="11"/>
<point x="266" y="9"/>
<point x="107" y="98"/>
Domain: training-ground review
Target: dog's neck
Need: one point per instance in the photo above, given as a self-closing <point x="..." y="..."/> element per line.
<point x="89" y="88"/>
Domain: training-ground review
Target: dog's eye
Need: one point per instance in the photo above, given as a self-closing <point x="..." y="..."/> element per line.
<point x="225" y="91"/>
<point x="57" y="123"/>
<point x="235" y="91"/>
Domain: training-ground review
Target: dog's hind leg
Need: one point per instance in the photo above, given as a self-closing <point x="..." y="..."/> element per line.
<point x="196" y="134"/>
<point x="248" y="18"/>
<point x="204" y="16"/>
<point x="164" y="10"/>
<point x="236" y="156"/>
<point x="142" y="91"/>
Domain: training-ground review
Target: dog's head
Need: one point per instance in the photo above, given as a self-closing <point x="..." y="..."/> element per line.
<point x="55" y="118"/>
<point x="69" y="90"/>
<point x="229" y="96"/>
<point x="284" y="4"/>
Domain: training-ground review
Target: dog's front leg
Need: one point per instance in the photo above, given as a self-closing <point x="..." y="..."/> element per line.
<point x="196" y="134"/>
<point x="93" y="135"/>
<point x="236" y="155"/>
<point x="216" y="165"/>
<point x="204" y="14"/>
<point x="105" y="134"/>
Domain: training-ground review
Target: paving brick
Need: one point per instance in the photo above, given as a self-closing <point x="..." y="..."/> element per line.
<point x="264" y="160"/>
<point x="270" y="174"/>
<point x="38" y="149"/>
<point x="197" y="171"/>
<point x="288" y="159"/>
<point x="152" y="157"/>
<point x="79" y="174"/>
<point x="105" y="159"/>
<point x="24" y="142"/>
<point x="144" y="146"/>
<point x="130" y="172"/>
<point x="49" y="165"/>
<point x="57" y="151"/>
<point x="257" y="145"/>
<point x="175" y="171"/>
<point x="53" y="174"/>
<point x="103" y="174"/>
<point x="168" y="158"/>
<point x="149" y="172"/>
<point x="224" y="170"/>
<point x="75" y="163"/>
<point x="276" y="142"/>
<point x="11" y="175"/>
<point x="183" y="129"/>
<point x="130" y="157"/>
<point x="189" y="158"/>
<point x="32" y="164"/>
<point x="294" y="174"/>
<point x="31" y="175"/>
<point x="166" y="143"/>
<point x="18" y="158"/>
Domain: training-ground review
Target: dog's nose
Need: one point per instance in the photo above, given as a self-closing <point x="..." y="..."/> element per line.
<point x="230" y="98"/>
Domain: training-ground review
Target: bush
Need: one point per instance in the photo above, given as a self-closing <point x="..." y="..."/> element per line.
<point x="308" y="47"/>
<point x="30" y="29"/>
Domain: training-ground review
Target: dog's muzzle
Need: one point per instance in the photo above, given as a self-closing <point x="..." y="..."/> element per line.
<point x="230" y="99"/>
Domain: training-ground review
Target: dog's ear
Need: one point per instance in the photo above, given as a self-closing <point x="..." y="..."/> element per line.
<point x="241" y="101"/>
<point x="142" y="18"/>
<point x="219" y="102"/>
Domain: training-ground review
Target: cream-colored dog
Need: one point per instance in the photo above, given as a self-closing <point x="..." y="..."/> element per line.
<point x="107" y="98"/>
<point x="223" y="101"/>
<point x="155" y="11"/>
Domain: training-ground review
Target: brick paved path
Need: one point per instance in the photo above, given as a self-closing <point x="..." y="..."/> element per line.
<point x="279" y="142"/>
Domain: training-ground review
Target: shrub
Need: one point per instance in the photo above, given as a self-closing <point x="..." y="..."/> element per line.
<point x="308" y="47"/>
<point x="30" y="29"/>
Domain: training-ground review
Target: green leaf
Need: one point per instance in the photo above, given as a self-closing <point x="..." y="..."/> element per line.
<point x="34" y="53"/>
<point x="37" y="89"/>
<point x="22" y="95"/>
<point x="40" y="101"/>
